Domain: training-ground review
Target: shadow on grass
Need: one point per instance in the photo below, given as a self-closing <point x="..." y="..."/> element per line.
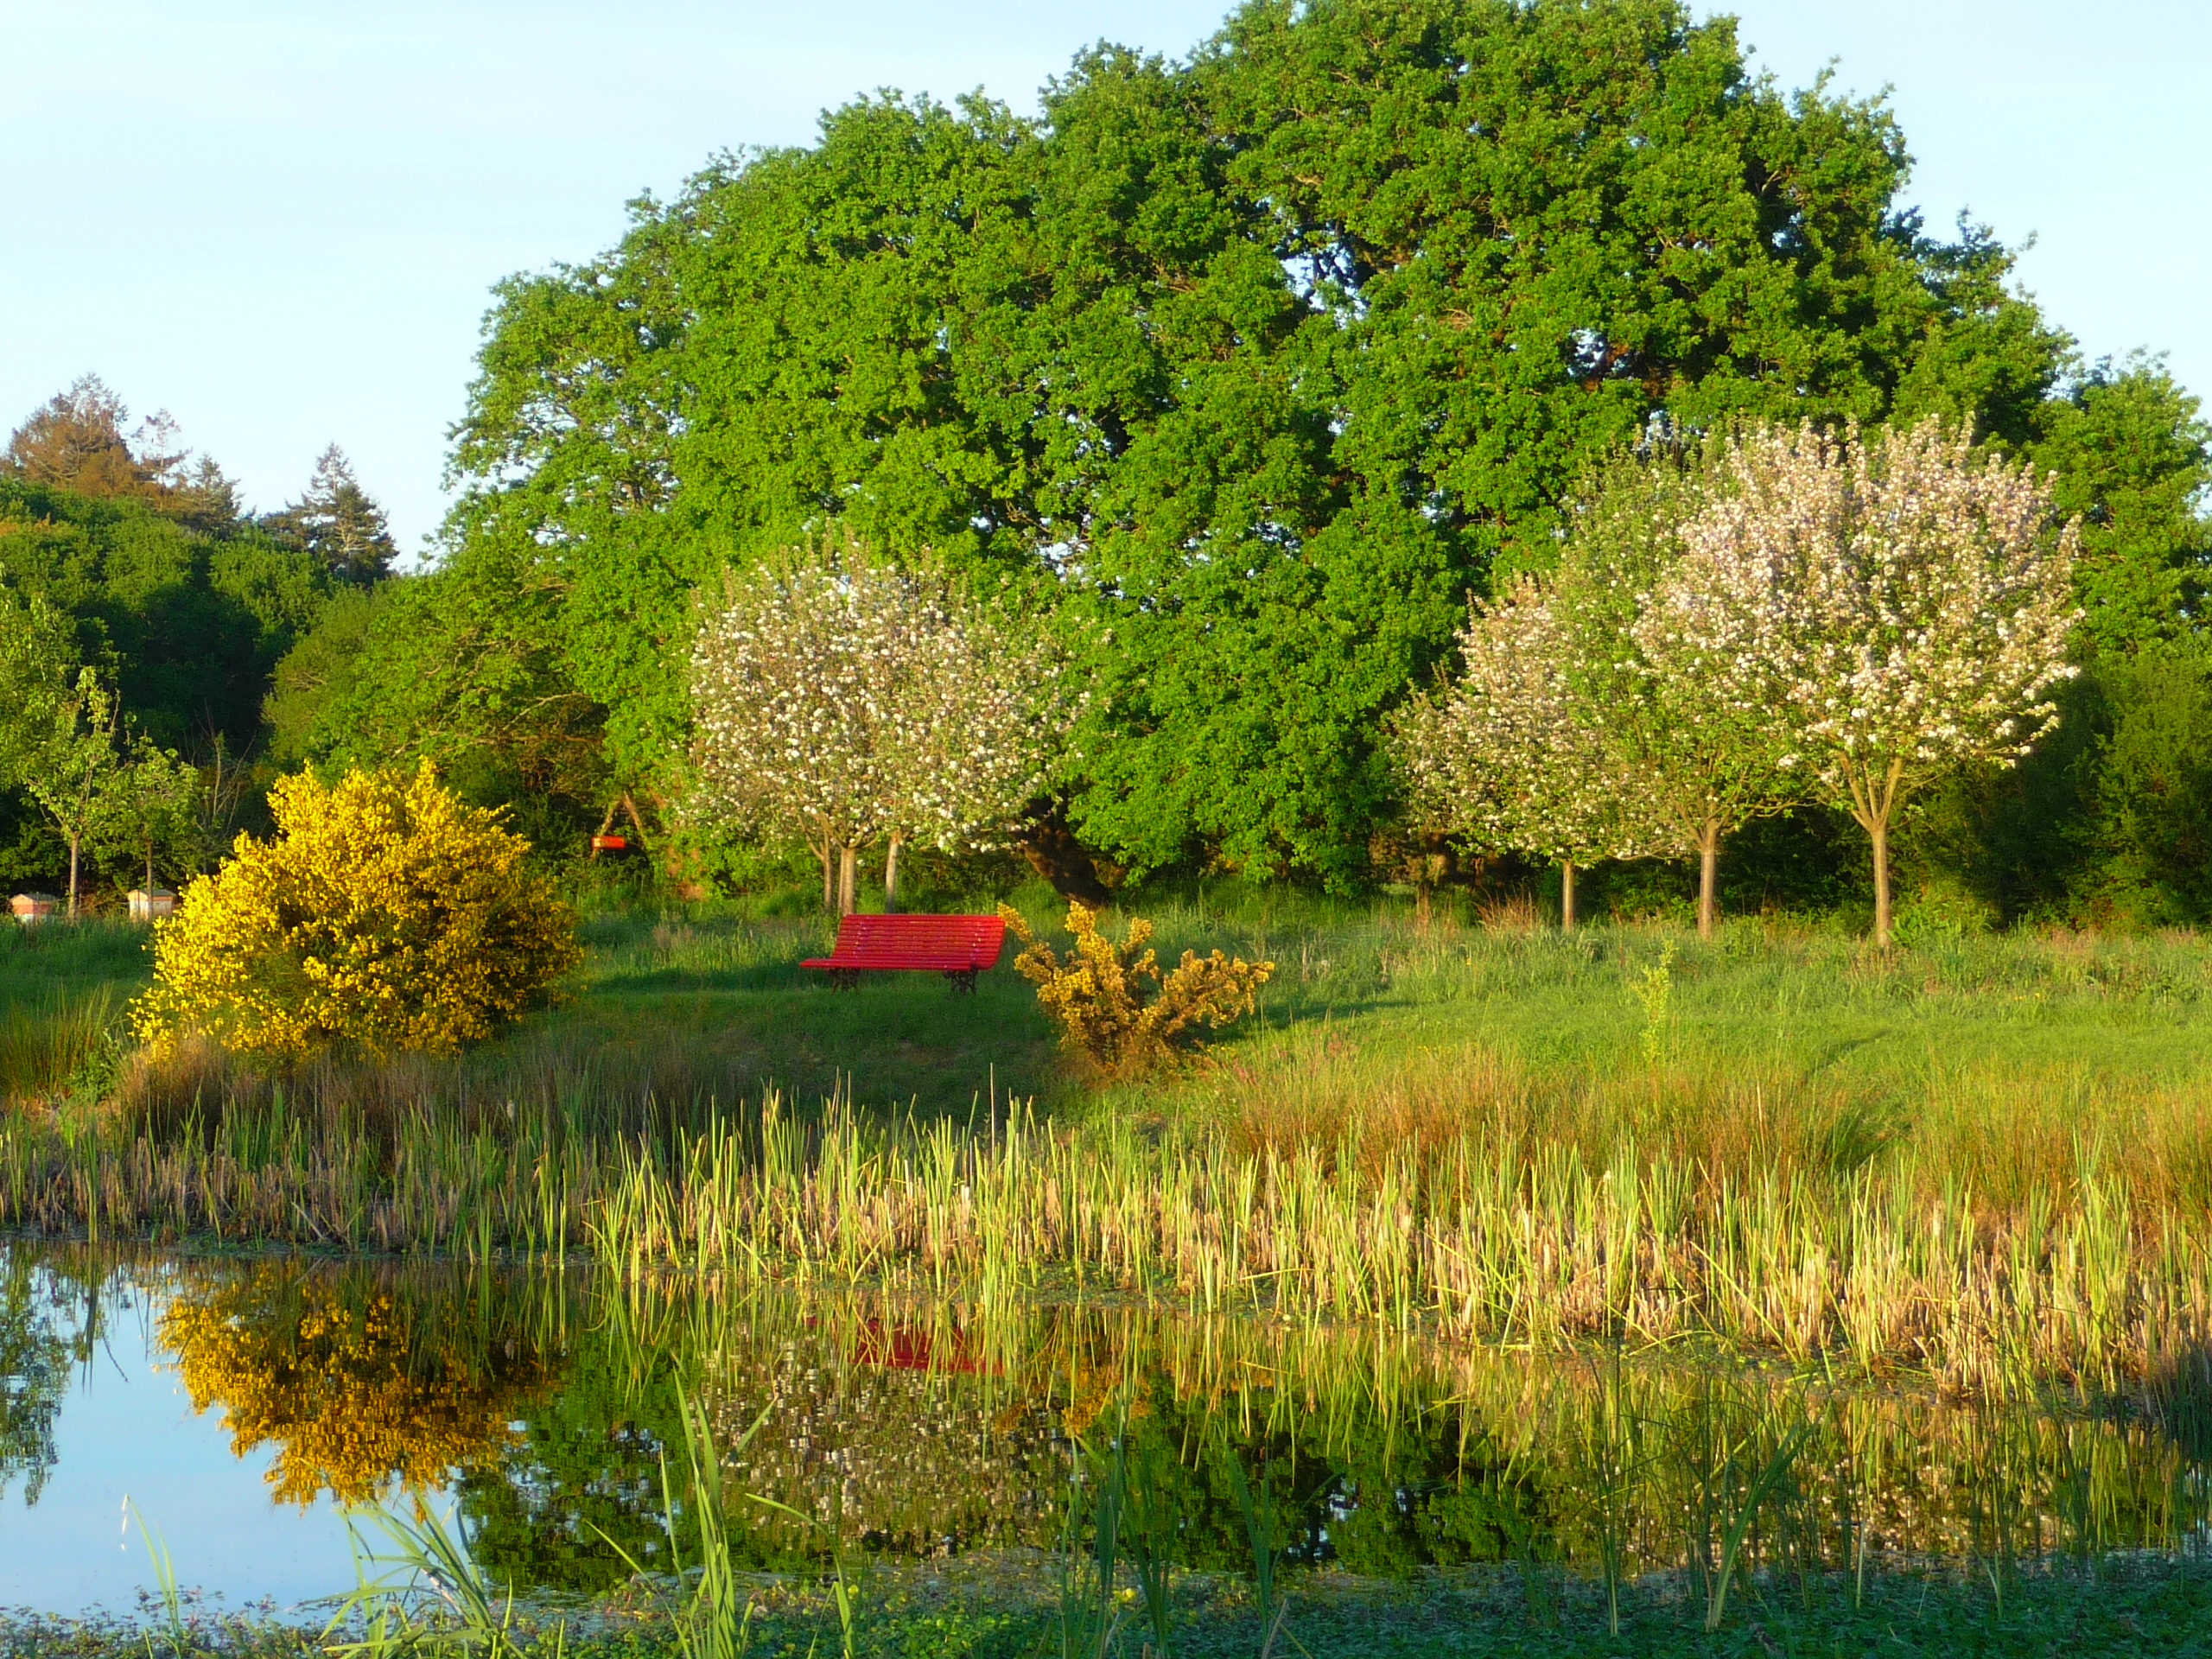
<point x="714" y="1007"/>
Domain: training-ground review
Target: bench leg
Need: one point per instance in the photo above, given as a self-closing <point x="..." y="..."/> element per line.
<point x="844" y="979"/>
<point x="962" y="980"/>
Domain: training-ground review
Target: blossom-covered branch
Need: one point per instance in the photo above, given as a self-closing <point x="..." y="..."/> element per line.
<point x="845" y="700"/>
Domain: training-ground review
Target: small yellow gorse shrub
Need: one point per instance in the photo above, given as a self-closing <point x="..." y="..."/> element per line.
<point x="386" y="914"/>
<point x="1114" y="1006"/>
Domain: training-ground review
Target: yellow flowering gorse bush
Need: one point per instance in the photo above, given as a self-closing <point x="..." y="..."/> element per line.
<point x="386" y="913"/>
<point x="1114" y="1005"/>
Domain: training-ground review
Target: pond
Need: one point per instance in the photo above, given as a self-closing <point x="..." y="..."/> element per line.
<point x="246" y="1408"/>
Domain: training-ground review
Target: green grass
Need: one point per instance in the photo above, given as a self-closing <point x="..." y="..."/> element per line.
<point x="2140" y="1608"/>
<point x="62" y="986"/>
<point x="709" y="1000"/>
<point x="714" y="1002"/>
<point x="714" y="998"/>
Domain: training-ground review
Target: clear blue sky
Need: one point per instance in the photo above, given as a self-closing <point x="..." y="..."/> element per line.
<point x="278" y="219"/>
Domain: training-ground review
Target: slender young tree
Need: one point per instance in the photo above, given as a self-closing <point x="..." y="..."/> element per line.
<point x="71" y="774"/>
<point x="150" y="805"/>
<point x="1510" y="757"/>
<point x="1901" y="604"/>
<point x="1702" y="760"/>
<point x="792" y="679"/>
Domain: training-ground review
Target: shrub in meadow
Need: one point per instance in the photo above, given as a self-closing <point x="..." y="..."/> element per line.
<point x="1114" y="1004"/>
<point x="385" y="914"/>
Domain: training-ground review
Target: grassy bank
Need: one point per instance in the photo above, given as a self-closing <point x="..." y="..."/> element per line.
<point x="2142" y="1608"/>
<point x="1985" y="1160"/>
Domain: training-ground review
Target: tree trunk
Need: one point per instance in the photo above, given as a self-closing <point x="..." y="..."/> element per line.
<point x="891" y="877"/>
<point x="149" y="867"/>
<point x="829" y="879"/>
<point x="1708" y="877"/>
<point x="1879" y="830"/>
<point x="1873" y="802"/>
<point x="74" y="842"/>
<point x="848" y="880"/>
<point x="1567" y="895"/>
<point x="1054" y="852"/>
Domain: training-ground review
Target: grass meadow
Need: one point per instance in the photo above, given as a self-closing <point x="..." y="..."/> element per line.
<point x="1982" y="1159"/>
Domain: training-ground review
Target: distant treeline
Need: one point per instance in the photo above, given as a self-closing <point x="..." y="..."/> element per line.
<point x="1246" y="370"/>
<point x="183" y="602"/>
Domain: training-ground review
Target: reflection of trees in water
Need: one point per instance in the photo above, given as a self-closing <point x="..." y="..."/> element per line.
<point x="945" y="1432"/>
<point x="584" y="1467"/>
<point x="342" y="1376"/>
<point x="47" y="1326"/>
<point x="922" y="1432"/>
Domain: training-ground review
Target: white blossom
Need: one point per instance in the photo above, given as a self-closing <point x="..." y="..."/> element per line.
<point x="1889" y="609"/>
<point x="846" y="701"/>
<point x="1508" y="757"/>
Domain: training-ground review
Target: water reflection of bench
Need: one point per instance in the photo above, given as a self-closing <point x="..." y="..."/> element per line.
<point x="913" y="1348"/>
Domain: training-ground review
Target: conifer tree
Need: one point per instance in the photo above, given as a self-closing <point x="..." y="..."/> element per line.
<point x="339" y="523"/>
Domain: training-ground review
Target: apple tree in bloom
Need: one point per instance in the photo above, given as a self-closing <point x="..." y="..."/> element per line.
<point x="1507" y="758"/>
<point x="844" y="701"/>
<point x="1700" y="759"/>
<point x="984" y="714"/>
<point x="1900" y="604"/>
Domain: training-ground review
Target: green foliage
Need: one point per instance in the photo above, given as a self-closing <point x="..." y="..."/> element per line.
<point x="1260" y="360"/>
<point x="2151" y="793"/>
<point x="464" y="667"/>
<point x="2132" y="459"/>
<point x="192" y="621"/>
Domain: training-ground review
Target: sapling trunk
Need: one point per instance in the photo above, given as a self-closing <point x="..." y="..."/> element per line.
<point x="1567" y="895"/>
<point x="890" y="878"/>
<point x="74" y="843"/>
<point x="1879" y="832"/>
<point x="829" y="878"/>
<point x="1874" y="804"/>
<point x="848" y="880"/>
<point x="1708" y="877"/>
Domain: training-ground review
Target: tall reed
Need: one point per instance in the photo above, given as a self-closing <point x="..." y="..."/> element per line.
<point x="1487" y="1233"/>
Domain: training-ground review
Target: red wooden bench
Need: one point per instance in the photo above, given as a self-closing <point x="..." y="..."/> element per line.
<point x="959" y="947"/>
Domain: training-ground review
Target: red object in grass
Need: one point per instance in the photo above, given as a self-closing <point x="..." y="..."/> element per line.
<point x="610" y="843"/>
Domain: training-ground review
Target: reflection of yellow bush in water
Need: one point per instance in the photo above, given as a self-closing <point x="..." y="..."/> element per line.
<point x="336" y="1385"/>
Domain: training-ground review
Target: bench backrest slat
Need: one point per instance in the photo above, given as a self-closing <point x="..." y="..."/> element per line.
<point x="974" y="940"/>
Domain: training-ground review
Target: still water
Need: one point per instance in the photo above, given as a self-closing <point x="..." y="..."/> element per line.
<point x="245" y="1408"/>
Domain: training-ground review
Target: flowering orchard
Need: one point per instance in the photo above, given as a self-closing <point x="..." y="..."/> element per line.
<point x="1791" y="614"/>
<point x="846" y="701"/>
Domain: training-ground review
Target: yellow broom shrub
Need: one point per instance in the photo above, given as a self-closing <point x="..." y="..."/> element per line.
<point x="1114" y="1006"/>
<point x="385" y="914"/>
